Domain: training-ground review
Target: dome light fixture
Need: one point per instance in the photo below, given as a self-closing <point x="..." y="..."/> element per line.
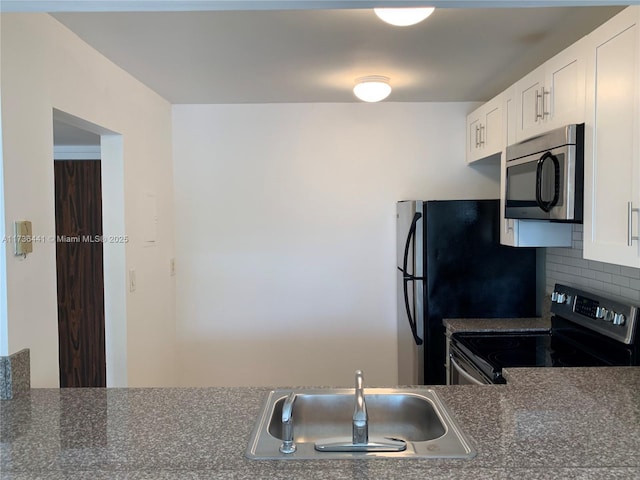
<point x="403" y="17"/>
<point x="372" y="88"/>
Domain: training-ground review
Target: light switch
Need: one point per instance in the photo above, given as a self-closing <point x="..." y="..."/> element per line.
<point x="23" y="237"/>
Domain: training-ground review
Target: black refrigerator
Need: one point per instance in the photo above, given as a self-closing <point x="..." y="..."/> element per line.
<point x="450" y="264"/>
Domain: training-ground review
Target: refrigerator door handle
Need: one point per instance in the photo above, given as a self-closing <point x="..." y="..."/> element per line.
<point x="412" y="232"/>
<point x="412" y="323"/>
<point x="407" y="277"/>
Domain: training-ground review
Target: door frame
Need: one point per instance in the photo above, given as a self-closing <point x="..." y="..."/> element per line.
<point x="111" y="153"/>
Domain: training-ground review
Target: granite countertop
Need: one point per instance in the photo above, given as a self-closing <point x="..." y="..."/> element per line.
<point x="454" y="325"/>
<point x="545" y="424"/>
<point x="533" y="324"/>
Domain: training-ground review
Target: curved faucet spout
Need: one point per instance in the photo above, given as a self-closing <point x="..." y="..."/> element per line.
<point x="360" y="418"/>
<point x="287" y="425"/>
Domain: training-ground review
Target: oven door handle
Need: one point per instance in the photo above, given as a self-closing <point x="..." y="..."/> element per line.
<point x="463" y="372"/>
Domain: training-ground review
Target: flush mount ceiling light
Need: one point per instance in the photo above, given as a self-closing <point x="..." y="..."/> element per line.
<point x="372" y="88"/>
<point x="403" y="17"/>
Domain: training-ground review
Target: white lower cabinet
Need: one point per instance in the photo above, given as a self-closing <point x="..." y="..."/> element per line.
<point x="612" y="137"/>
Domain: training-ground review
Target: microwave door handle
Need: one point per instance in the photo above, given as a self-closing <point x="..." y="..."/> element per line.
<point x="547" y="206"/>
<point x="539" y="183"/>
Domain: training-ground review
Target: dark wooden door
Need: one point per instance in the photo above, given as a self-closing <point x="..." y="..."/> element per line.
<point x="79" y="265"/>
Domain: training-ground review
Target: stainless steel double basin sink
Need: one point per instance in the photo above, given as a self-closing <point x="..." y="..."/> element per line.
<point x="413" y="417"/>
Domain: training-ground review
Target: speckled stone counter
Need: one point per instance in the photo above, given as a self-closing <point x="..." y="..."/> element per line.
<point x="454" y="325"/>
<point x="15" y="373"/>
<point x="532" y="324"/>
<point x="546" y="424"/>
<point x="601" y="378"/>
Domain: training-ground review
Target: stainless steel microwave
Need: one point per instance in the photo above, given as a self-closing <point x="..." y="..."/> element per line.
<point x="545" y="176"/>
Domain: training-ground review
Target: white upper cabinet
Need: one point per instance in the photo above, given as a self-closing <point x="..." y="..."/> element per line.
<point x="509" y="232"/>
<point x="524" y="233"/>
<point x="595" y="81"/>
<point x="612" y="137"/>
<point x="553" y="95"/>
<point x="484" y="130"/>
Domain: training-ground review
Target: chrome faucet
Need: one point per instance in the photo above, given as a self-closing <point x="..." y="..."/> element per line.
<point x="359" y="441"/>
<point x="287" y="425"/>
<point x="360" y="418"/>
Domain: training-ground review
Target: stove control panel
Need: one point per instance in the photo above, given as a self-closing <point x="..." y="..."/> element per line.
<point x="615" y="318"/>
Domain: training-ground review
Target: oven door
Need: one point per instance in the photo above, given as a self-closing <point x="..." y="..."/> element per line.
<point x="543" y="186"/>
<point x="463" y="372"/>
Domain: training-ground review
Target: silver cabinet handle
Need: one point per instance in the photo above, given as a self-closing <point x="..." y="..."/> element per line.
<point x="630" y="236"/>
<point x="477" y="141"/>
<point x="540" y="110"/>
<point x="544" y="94"/>
<point x="482" y="135"/>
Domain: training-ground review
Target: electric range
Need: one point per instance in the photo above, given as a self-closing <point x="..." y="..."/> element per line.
<point x="587" y="330"/>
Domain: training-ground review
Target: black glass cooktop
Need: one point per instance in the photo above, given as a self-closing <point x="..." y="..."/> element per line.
<point x="566" y="345"/>
<point x="491" y="352"/>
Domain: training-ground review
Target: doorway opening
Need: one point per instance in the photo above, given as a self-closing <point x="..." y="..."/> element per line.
<point x="89" y="209"/>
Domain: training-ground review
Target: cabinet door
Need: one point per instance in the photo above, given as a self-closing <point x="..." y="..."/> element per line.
<point x="529" y="93"/>
<point x="473" y="137"/>
<point x="612" y="155"/>
<point x="564" y="94"/>
<point x="492" y="129"/>
<point x="553" y="95"/>
<point x="484" y="130"/>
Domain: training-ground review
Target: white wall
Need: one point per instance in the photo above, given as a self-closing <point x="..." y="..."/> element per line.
<point x="45" y="66"/>
<point x="285" y="233"/>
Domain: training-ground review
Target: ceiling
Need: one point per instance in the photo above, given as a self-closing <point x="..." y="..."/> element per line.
<point x="308" y="55"/>
<point x="65" y="134"/>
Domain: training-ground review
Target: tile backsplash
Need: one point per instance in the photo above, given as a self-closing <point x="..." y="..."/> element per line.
<point x="566" y="265"/>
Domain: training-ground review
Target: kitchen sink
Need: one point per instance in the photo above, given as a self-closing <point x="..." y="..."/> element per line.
<point x="416" y="419"/>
